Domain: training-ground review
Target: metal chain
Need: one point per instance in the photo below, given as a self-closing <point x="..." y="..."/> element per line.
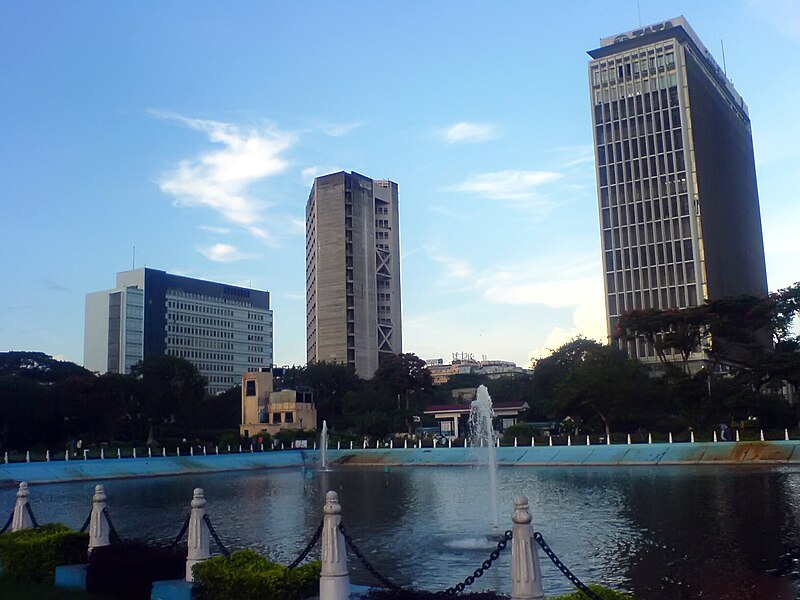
<point x="213" y="532"/>
<point x="487" y="564"/>
<point x="308" y="547"/>
<point x="365" y="562"/>
<point x="563" y="568"/>
<point x="8" y="523"/>
<point x="30" y="514"/>
<point x="181" y="532"/>
<point x="113" y="536"/>
<point x="85" y="525"/>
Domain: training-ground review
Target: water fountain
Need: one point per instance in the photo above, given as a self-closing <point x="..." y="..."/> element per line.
<point x="323" y="447"/>
<point x="482" y="434"/>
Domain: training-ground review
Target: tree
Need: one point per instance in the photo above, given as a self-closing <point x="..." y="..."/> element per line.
<point x="329" y="383"/>
<point x="603" y="383"/>
<point x="407" y="378"/>
<point x="169" y="388"/>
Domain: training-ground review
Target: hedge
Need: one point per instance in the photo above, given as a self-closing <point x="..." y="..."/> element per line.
<point x="34" y="554"/>
<point x="247" y="575"/>
<point x="604" y="593"/>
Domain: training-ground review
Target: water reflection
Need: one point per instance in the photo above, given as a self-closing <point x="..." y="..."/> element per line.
<point x="659" y="532"/>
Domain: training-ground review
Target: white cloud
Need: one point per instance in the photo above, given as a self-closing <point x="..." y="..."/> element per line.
<point x="310" y="173"/>
<point x="454" y="267"/>
<point x="219" y="179"/>
<point x="339" y="129"/>
<point x="589" y="321"/>
<point x="469" y="132"/>
<point x="508" y="185"/>
<point x="223" y="253"/>
<point x="217" y="230"/>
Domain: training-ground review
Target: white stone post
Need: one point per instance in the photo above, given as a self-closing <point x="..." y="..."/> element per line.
<point x="164" y="452"/>
<point x="405" y="443"/>
<point x="102" y="454"/>
<point x="334" y="581"/>
<point x="691" y="437"/>
<point x="761" y="435"/>
<point x="22" y="518"/>
<point x="434" y="443"/>
<point x="569" y="440"/>
<point x="240" y="447"/>
<point x="149" y="452"/>
<point x="608" y="440"/>
<point x="449" y="442"/>
<point x="649" y="438"/>
<point x="28" y="456"/>
<point x="85" y="454"/>
<point x="526" y="574"/>
<point x="550" y="439"/>
<point x="98" y="525"/>
<point x="229" y="448"/>
<point x="191" y="450"/>
<point x="364" y="444"/>
<point x="134" y="452"/>
<point x="629" y="439"/>
<point x="66" y="456"/>
<point x="205" y="454"/>
<point x="515" y="441"/>
<point x="533" y="441"/>
<point x="588" y="441"/>
<point x="216" y="449"/>
<point x="497" y="443"/>
<point x="670" y="437"/>
<point x="786" y="434"/>
<point x="251" y="448"/>
<point x="199" y="541"/>
<point x="47" y="455"/>
<point x="737" y="435"/>
<point x="339" y="445"/>
<point x="715" y="435"/>
<point x="119" y="453"/>
<point x="177" y="450"/>
<point x="5" y="457"/>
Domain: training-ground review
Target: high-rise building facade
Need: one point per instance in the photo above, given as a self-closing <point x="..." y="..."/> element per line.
<point x="223" y="330"/>
<point x="676" y="179"/>
<point x="352" y="271"/>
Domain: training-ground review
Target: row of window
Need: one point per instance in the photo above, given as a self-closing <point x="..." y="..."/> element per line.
<point x="210" y="310"/>
<point x="646" y="278"/>
<point x="611" y="93"/>
<point x="642" y="64"/>
<point x="171" y="316"/>
<point x="671" y="297"/>
<point x="646" y="211"/>
<point x="208" y="333"/>
<point x="650" y="255"/>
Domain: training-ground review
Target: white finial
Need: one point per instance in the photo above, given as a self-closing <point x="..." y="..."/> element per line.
<point x="199" y="543"/>
<point x="99" y="531"/>
<point x="334" y="581"/>
<point x="22" y="518"/>
<point x="526" y="574"/>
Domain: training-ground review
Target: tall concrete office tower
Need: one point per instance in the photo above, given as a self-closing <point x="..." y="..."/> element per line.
<point x="676" y="177"/>
<point x="352" y="271"/>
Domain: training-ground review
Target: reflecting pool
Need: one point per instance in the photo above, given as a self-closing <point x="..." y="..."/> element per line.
<point x="658" y="532"/>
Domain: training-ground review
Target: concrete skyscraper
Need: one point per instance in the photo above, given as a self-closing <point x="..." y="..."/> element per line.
<point x="352" y="271"/>
<point x="676" y="177"/>
<point x="224" y="330"/>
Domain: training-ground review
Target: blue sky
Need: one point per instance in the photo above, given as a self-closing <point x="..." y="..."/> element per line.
<point x="193" y="130"/>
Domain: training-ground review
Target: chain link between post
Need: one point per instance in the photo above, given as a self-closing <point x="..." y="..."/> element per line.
<point x="563" y="568"/>
<point x="487" y="564"/>
<point x="8" y="523"/>
<point x="213" y="533"/>
<point x="301" y="557"/>
<point x="184" y="527"/>
<point x="365" y="562"/>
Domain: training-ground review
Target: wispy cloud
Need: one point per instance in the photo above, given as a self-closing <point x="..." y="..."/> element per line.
<point x="219" y="179"/>
<point x="309" y="173"/>
<point x="223" y="253"/>
<point x="334" y="129"/>
<point x="454" y="267"/>
<point x="508" y="185"/>
<point x="217" y="230"/>
<point x="469" y="132"/>
<point x="54" y="286"/>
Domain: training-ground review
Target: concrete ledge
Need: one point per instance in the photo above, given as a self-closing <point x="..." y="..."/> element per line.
<point x="173" y="589"/>
<point x="72" y="577"/>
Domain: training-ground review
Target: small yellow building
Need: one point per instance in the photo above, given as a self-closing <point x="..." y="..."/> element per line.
<point x="268" y="411"/>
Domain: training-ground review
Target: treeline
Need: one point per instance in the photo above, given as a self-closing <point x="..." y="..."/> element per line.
<point x="50" y="403"/>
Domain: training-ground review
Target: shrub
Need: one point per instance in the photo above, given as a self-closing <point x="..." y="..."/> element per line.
<point x="603" y="592"/>
<point x="128" y="570"/>
<point x="247" y="575"/>
<point x="34" y="554"/>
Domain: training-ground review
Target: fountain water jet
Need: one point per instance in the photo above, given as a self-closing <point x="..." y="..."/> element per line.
<point x="482" y="434"/>
<point x="323" y="447"/>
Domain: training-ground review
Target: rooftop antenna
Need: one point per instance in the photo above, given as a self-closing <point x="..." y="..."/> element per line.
<point x="639" y="10"/>
<point x="133" y="260"/>
<point x="724" y="67"/>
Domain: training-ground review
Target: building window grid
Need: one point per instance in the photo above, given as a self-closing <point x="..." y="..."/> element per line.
<point x="634" y="280"/>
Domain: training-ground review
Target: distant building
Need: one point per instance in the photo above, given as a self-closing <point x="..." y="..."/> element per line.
<point x="676" y="178"/>
<point x="265" y="410"/>
<point x="223" y="330"/>
<point x="453" y="419"/>
<point x="465" y="364"/>
<point x="353" y="311"/>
